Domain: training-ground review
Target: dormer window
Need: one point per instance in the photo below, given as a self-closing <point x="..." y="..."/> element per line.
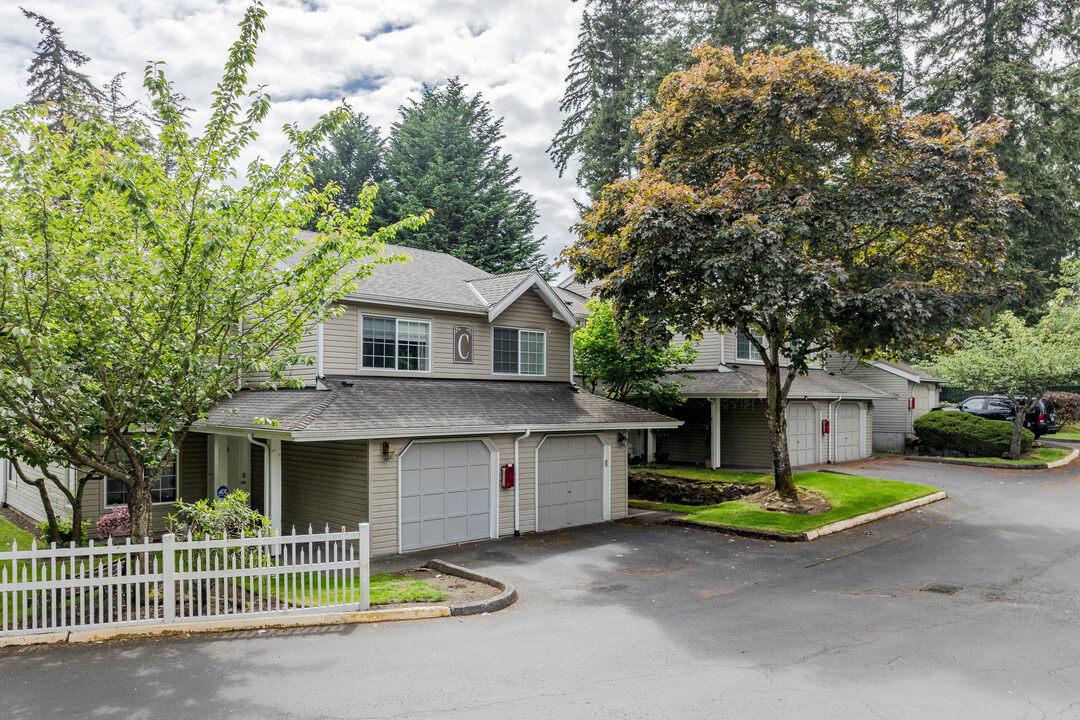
<point x="744" y="349"/>
<point x="518" y="352"/>
<point x="395" y="344"/>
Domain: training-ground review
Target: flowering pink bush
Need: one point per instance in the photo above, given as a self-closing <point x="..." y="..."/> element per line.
<point x="115" y="524"/>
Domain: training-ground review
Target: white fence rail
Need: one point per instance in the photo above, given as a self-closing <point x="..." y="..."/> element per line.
<point x="69" y="588"/>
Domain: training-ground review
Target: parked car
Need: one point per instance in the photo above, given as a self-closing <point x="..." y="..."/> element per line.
<point x="1041" y="420"/>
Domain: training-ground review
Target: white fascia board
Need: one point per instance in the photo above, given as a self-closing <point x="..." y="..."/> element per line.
<point x="452" y="431"/>
<point x="534" y="280"/>
<point x="259" y="432"/>
<point x="896" y="371"/>
<point x="791" y="397"/>
<point x="414" y="304"/>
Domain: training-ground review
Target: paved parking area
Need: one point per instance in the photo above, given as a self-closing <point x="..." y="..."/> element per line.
<point x="649" y="621"/>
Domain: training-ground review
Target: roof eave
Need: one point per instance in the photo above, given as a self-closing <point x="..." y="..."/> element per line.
<point x="449" y="431"/>
<point x="412" y="303"/>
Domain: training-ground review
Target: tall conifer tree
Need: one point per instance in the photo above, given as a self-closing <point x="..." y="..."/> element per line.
<point x="55" y="78"/>
<point x="352" y="156"/>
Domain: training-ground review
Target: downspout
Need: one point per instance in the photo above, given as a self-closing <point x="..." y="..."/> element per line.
<point x="829" y="442"/>
<point x="517" y="483"/>
<point x="319" y="353"/>
<point x="266" y="470"/>
<point x="572" y="383"/>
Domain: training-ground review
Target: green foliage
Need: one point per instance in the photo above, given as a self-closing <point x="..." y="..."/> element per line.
<point x="67" y="534"/>
<point x="969" y="434"/>
<point x="141" y="277"/>
<point x="227" y="517"/>
<point x="444" y="155"/>
<point x="630" y="373"/>
<point x="1067" y="405"/>
<point x="789" y="195"/>
<point x="55" y="80"/>
<point x="351" y="157"/>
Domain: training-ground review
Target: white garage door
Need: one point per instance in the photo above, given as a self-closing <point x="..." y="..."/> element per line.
<point x="569" y="481"/>
<point x="848" y="432"/>
<point x="803" y="428"/>
<point x="445" y="493"/>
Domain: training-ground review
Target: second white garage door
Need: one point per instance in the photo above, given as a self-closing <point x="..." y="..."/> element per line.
<point x="803" y="430"/>
<point x="848" y="432"/>
<point x="569" y="481"/>
<point x="445" y="493"/>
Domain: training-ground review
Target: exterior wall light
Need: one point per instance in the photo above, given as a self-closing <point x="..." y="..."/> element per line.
<point x="388" y="451"/>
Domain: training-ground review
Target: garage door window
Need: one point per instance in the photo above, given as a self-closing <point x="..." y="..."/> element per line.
<point x="518" y="352"/>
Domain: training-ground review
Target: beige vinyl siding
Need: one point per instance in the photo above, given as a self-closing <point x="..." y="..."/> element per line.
<point x="618" y="476"/>
<point x="26" y="499"/>
<point x="383" y="497"/>
<point x="323" y="483"/>
<point x="868" y="448"/>
<point x="708" y="347"/>
<point x="341" y="343"/>
<point x="530" y="312"/>
<point x="745" y="440"/>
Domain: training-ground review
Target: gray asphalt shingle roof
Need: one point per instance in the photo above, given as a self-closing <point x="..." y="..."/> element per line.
<point x="494" y="288"/>
<point x="386" y="407"/>
<point x="910" y="369"/>
<point x="749" y="381"/>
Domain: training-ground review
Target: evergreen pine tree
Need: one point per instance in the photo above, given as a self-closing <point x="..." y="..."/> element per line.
<point x="55" y="78"/>
<point x="352" y="156"/>
<point x="885" y="35"/>
<point x="444" y="155"/>
<point x="115" y="110"/>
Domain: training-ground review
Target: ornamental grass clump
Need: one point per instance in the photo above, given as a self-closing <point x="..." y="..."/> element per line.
<point x="969" y="434"/>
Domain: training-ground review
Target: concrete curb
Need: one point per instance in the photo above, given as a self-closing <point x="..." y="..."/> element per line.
<point x="817" y="532"/>
<point x="1001" y="466"/>
<point x="507" y="597"/>
<point x="504" y="599"/>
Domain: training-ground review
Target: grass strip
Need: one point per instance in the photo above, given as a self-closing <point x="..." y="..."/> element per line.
<point x="1038" y="455"/>
<point x="711" y="476"/>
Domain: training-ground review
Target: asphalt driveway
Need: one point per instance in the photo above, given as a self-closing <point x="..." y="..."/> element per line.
<point x="644" y="621"/>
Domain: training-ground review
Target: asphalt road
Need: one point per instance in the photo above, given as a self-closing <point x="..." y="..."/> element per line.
<point x="625" y="620"/>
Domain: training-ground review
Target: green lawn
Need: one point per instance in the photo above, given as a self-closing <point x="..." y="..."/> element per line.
<point x="385" y="588"/>
<point x="849" y="495"/>
<point x="9" y="532"/>
<point x="1038" y="455"/>
<point x="1071" y="432"/>
<point x="699" y="475"/>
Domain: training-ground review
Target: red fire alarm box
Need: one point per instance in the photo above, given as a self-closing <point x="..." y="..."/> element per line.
<point x="824" y="427"/>
<point x="508" y="475"/>
<point x="911" y="403"/>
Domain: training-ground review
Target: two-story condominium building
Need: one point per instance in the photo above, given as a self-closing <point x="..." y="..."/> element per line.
<point x="440" y="409"/>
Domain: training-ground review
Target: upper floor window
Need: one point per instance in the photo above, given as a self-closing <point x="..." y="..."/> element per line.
<point x="518" y="352"/>
<point x="744" y="349"/>
<point x="393" y="344"/>
<point x="163" y="491"/>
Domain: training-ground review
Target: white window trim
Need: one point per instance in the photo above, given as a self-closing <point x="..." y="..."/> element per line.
<point x="9" y="472"/>
<point x="397" y="320"/>
<point x="518" y="331"/>
<point x="105" y="490"/>
<point x="747" y="360"/>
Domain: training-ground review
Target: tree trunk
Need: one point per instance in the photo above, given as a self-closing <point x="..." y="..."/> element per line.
<point x="50" y="514"/>
<point x="1018" y="426"/>
<point x="774" y="410"/>
<point x="140" y="507"/>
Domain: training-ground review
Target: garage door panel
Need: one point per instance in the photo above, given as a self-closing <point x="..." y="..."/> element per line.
<point x="570" y="481"/>
<point x="848" y="432"/>
<point x="802" y="433"/>
<point x="446" y="493"/>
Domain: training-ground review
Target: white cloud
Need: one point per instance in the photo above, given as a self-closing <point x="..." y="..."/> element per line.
<point x="314" y="51"/>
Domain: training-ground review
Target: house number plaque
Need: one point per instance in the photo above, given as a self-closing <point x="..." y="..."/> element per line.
<point x="463" y="344"/>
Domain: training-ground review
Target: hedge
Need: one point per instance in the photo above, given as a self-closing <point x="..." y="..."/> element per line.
<point x="1067" y="405"/>
<point x="969" y="434"/>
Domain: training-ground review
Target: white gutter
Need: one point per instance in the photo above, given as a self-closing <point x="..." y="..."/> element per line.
<point x="517" y="483"/>
<point x="829" y="443"/>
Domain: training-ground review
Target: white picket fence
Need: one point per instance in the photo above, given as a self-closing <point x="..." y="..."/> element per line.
<point x="106" y="585"/>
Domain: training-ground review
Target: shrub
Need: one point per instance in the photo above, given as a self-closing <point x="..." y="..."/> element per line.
<point x="116" y="524"/>
<point x="969" y="434"/>
<point x="66" y="534"/>
<point x="1067" y="405"/>
<point x="227" y="517"/>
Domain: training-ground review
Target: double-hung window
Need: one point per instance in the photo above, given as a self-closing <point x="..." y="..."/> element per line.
<point x="163" y="491"/>
<point x="745" y="350"/>
<point x="395" y="344"/>
<point x="518" y="352"/>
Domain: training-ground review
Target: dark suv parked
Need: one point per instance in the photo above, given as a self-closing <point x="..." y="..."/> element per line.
<point x="1042" y="420"/>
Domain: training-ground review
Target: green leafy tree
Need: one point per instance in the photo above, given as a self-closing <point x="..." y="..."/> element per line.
<point x="1018" y="60"/>
<point x="1018" y="360"/>
<point x="133" y="299"/>
<point x="55" y="79"/>
<point x="352" y="157"/>
<point x="445" y="156"/>
<point x="789" y="195"/>
<point x="624" y="371"/>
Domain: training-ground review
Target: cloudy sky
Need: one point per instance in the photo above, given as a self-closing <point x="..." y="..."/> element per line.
<point x="315" y="52"/>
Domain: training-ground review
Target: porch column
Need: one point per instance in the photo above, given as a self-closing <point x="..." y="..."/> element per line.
<point x="272" y="484"/>
<point x="650" y="446"/>
<point x="714" y="432"/>
<point x="217" y="448"/>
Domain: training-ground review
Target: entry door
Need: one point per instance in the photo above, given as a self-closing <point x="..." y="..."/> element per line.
<point x="446" y="493"/>
<point x="569" y="481"/>
<point x="230" y="465"/>
<point x="848" y="432"/>
<point x="803" y="432"/>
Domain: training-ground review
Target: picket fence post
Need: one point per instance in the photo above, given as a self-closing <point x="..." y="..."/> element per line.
<point x="168" y="571"/>
<point x="364" y="546"/>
